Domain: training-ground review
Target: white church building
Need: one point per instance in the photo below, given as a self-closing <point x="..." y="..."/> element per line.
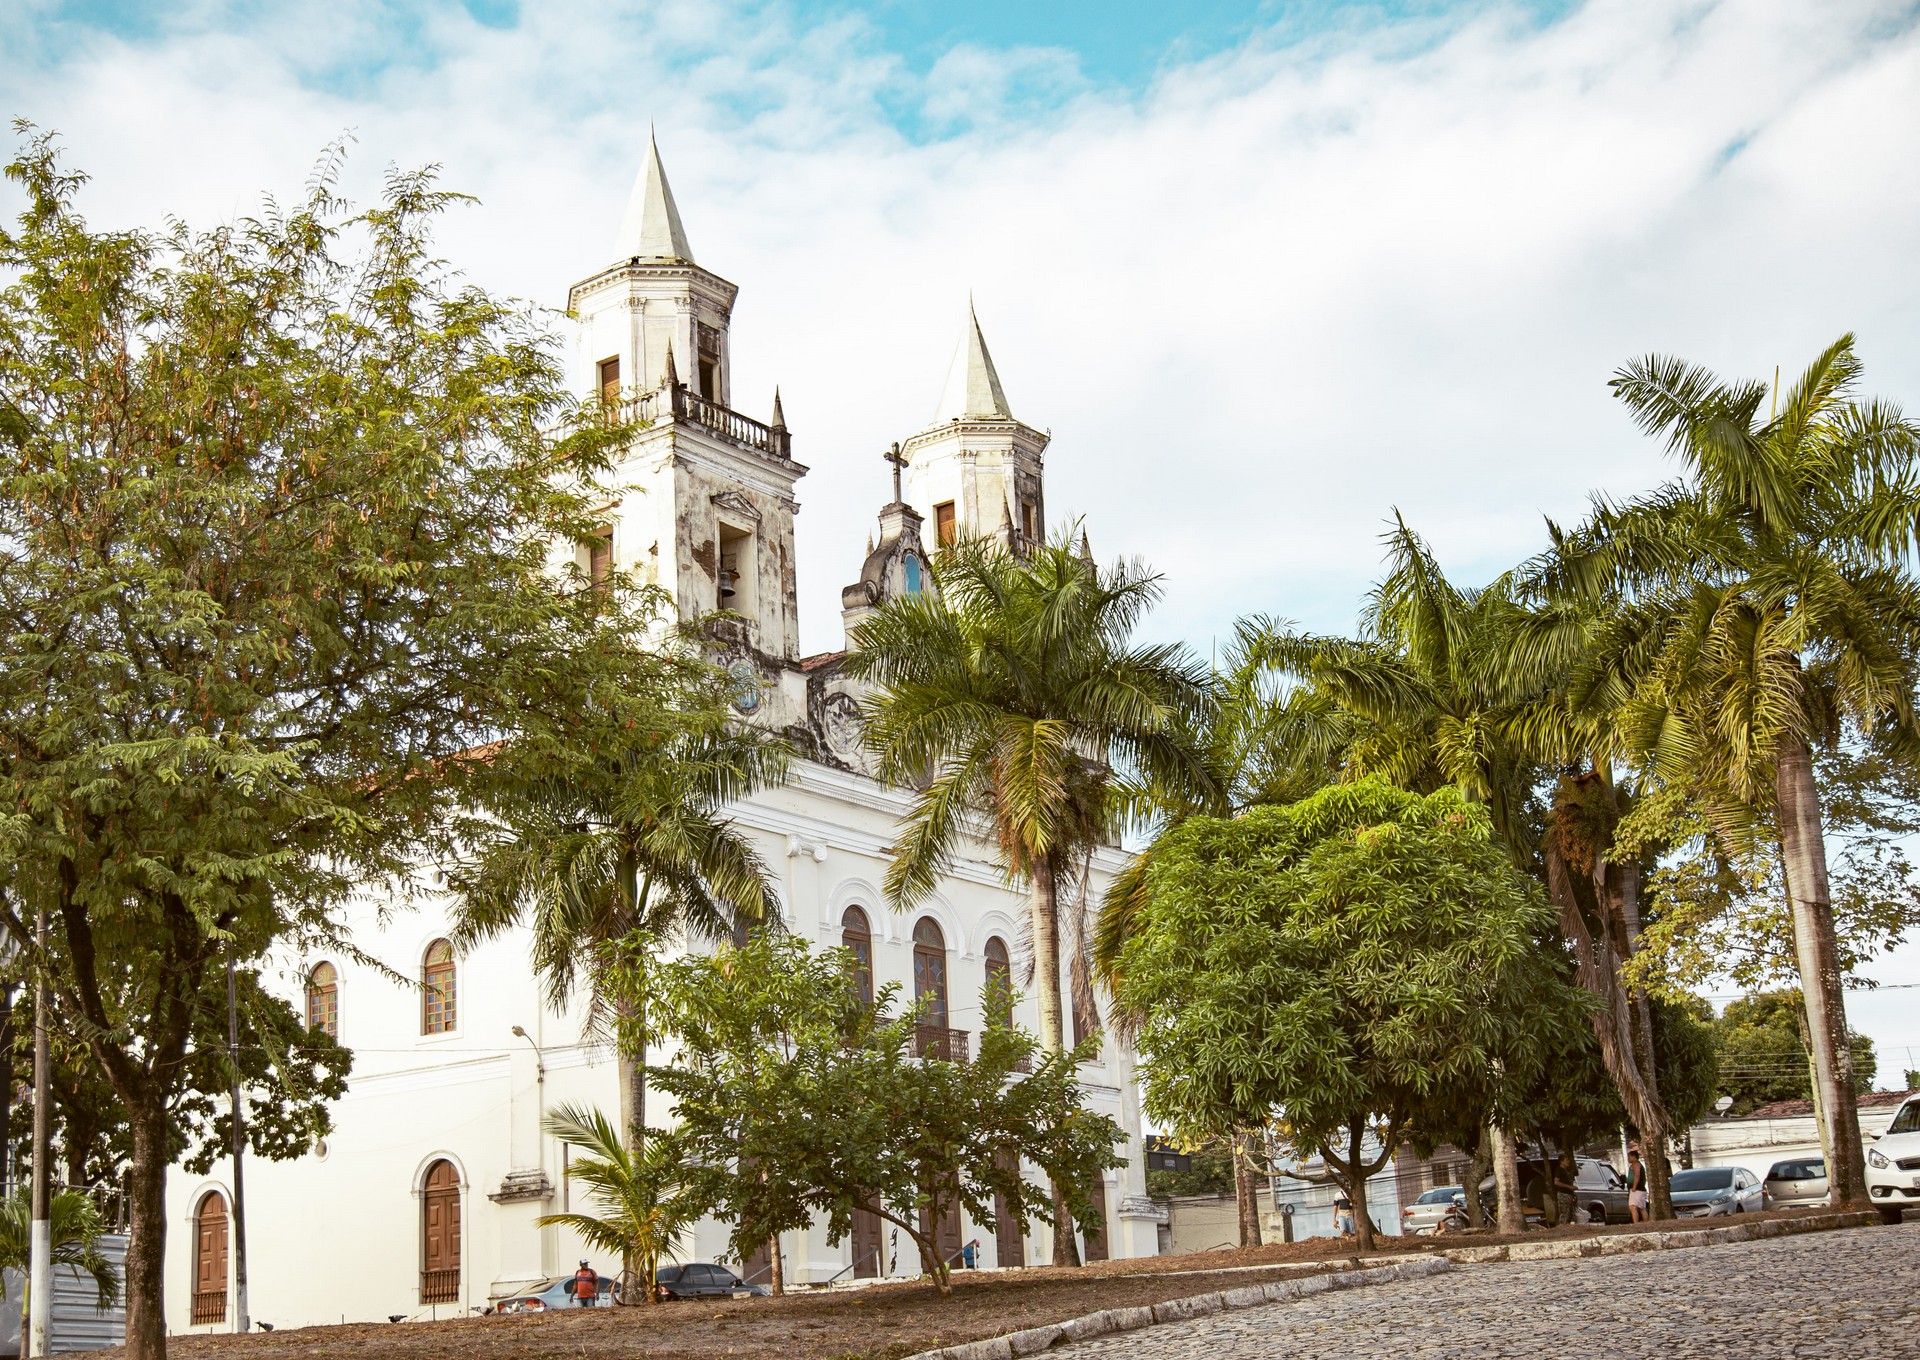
<point x="422" y="1200"/>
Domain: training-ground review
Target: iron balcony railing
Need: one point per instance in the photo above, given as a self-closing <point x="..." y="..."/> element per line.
<point x="683" y="403"/>
<point x="937" y="1041"/>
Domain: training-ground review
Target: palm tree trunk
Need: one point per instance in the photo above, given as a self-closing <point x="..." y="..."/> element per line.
<point x="1804" y="857"/>
<point x="1044" y="907"/>
<point x="1506" y="1182"/>
<point x="632" y="1066"/>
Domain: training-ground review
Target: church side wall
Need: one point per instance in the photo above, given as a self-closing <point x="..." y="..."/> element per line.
<point x="339" y="1235"/>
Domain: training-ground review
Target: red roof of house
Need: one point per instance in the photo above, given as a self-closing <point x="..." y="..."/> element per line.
<point x="1788" y="1109"/>
<point x="819" y="659"/>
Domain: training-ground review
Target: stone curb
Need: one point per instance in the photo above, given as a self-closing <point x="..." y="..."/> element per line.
<point x="1662" y="1241"/>
<point x="1109" y="1320"/>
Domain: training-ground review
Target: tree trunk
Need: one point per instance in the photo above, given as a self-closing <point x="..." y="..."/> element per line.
<point x="632" y="1068"/>
<point x="1044" y="912"/>
<point x="1477" y="1159"/>
<point x="1618" y="1021"/>
<point x="776" y="1269"/>
<point x="1804" y="853"/>
<point x="1357" y="1186"/>
<point x="1245" y="1194"/>
<point x="145" y="1272"/>
<point x="1506" y="1182"/>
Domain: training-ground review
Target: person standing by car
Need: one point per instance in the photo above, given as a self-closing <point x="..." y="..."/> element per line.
<point x="586" y="1286"/>
<point x="1563" y="1189"/>
<point x="1636" y="1187"/>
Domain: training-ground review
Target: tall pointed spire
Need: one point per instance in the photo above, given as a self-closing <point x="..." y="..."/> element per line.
<point x="973" y="388"/>
<point x="651" y="229"/>
<point x="779" y="421"/>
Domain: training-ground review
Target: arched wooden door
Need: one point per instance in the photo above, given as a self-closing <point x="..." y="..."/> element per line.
<point x="440" y="1235"/>
<point x="869" y="1244"/>
<point x="210" y="1259"/>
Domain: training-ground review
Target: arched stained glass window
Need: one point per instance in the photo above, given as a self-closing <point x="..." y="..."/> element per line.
<point x="930" y="970"/>
<point x="856" y="937"/>
<point x="999" y="981"/>
<point x="323" y="1000"/>
<point x="439" y="996"/>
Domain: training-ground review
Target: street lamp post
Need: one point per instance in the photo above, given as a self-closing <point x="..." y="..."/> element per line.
<point x="40" y="1248"/>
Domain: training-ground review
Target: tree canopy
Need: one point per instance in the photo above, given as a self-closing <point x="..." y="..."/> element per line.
<point x="279" y="504"/>
<point x="1359" y="958"/>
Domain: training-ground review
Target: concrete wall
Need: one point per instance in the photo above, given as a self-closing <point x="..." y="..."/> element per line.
<point x="1757" y="1144"/>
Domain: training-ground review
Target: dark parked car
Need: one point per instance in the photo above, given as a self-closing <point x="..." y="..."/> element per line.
<point x="703" y="1280"/>
<point x="1712" y="1190"/>
<point x="554" y="1293"/>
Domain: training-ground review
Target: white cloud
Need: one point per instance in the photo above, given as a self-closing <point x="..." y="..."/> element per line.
<point x="1283" y="290"/>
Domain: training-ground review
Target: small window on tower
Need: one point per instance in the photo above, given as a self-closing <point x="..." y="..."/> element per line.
<point x="710" y="380"/>
<point x="943" y="523"/>
<point x="610" y="380"/>
<point x="1029" y="520"/>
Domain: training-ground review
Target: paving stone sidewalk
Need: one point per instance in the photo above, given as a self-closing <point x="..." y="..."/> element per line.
<point x="1853" y="1294"/>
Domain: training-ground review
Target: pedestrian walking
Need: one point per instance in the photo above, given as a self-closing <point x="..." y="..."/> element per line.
<point x="1564" y="1180"/>
<point x="1343" y="1215"/>
<point x="1636" y="1187"/>
<point x="586" y="1286"/>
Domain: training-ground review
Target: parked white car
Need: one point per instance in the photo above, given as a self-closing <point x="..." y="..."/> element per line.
<point x="1893" y="1162"/>
<point x="1429" y="1211"/>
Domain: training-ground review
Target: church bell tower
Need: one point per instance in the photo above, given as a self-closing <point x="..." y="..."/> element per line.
<point x="706" y="505"/>
<point x="977" y="470"/>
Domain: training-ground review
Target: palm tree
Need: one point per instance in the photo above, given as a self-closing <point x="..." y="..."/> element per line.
<point x="1774" y="612"/>
<point x="644" y="1197"/>
<point x="1468" y="687"/>
<point x="1015" y="693"/>
<point x="631" y="845"/>
<point x="76" y="1228"/>
<point x="1263" y="744"/>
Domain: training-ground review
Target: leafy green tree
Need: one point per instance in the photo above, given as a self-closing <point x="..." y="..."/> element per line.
<point x="75" y="1225"/>
<point x="802" y="1099"/>
<point x="627" y="840"/>
<point x="278" y="509"/>
<point x="1354" y="961"/>
<point x="1017" y="694"/>
<point x="1773" y="612"/>
<point x="644" y="1199"/>
<point x="1210" y="1172"/>
<point x="1762" y="1041"/>
<point x="289" y="1075"/>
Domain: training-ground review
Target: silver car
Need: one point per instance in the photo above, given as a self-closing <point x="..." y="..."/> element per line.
<point x="1708" y="1191"/>
<point x="1793" y="1185"/>
<point x="1426" y="1213"/>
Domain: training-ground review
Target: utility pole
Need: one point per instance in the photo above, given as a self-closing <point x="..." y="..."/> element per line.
<point x="240" y="1322"/>
<point x="40" y="1248"/>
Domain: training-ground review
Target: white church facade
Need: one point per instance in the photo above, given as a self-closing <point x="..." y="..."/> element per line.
<point x="422" y="1200"/>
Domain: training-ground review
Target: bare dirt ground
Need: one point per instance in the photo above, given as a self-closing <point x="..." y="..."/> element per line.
<point x="880" y="1322"/>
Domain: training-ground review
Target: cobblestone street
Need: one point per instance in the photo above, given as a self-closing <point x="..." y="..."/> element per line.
<point x="1854" y="1293"/>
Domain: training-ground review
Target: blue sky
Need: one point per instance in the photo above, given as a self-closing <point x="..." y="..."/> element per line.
<point x="1267" y="272"/>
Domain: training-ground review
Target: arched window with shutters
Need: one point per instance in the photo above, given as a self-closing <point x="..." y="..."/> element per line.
<point x="210" y="1259"/>
<point x="323" y="1000"/>
<point x="440" y="1234"/>
<point x="856" y="937"/>
<point x="999" y="981"/>
<point x="439" y="999"/>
